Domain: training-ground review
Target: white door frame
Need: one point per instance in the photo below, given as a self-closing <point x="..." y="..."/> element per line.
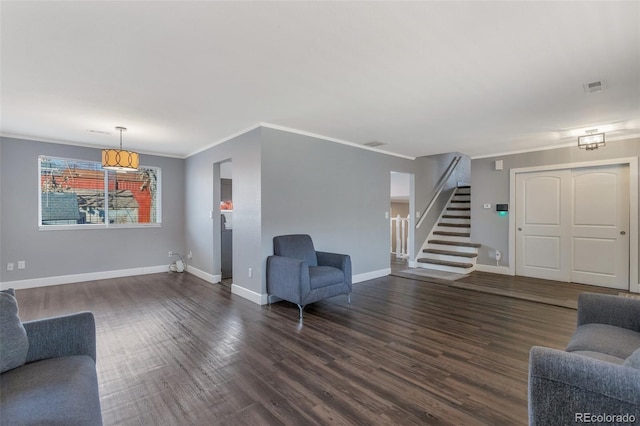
<point x="632" y="162"/>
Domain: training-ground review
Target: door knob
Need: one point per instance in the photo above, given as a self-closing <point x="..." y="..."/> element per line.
<point x="623" y="233"/>
<point x="519" y="229"/>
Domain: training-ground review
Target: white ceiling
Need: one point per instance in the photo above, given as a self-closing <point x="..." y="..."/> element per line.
<point x="423" y="77"/>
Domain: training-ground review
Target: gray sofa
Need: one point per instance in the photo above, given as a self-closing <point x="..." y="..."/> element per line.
<point x="57" y="383"/>
<point x="597" y="378"/>
<point x="299" y="274"/>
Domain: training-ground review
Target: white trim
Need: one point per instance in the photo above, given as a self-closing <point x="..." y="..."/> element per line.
<point x="204" y="275"/>
<point x="224" y="139"/>
<point x="370" y="275"/>
<point x="502" y="270"/>
<point x="632" y="162"/>
<point x="336" y="140"/>
<point x="260" y="299"/>
<point x="84" y="145"/>
<point x="76" y="278"/>
<point x="263" y="299"/>
<point x="546" y="148"/>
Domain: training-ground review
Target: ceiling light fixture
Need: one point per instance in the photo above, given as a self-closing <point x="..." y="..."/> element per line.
<point x="591" y="141"/>
<point x="119" y="159"/>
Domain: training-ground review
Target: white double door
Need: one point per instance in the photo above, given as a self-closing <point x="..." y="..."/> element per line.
<point x="573" y="225"/>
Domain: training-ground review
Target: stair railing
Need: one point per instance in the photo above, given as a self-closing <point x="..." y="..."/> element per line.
<point x="401" y="227"/>
<point x="443" y="180"/>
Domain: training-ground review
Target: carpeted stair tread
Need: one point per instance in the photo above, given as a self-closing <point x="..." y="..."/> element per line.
<point x="450" y="253"/>
<point x="452" y="234"/>
<point x="446" y="263"/>
<point x="461" y="201"/>
<point x="455" y="225"/>
<point x="455" y="243"/>
<point x="452" y="216"/>
<point x="458" y="209"/>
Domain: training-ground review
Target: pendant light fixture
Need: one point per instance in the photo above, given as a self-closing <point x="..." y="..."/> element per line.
<point x="592" y="140"/>
<point x="119" y="159"/>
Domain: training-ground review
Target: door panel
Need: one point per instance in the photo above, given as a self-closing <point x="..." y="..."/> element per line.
<point x="573" y="225"/>
<point x="600" y="225"/>
<point x="540" y="237"/>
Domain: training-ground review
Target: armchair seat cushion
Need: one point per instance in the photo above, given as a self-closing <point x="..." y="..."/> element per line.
<point x="600" y="356"/>
<point x="323" y="276"/>
<point x="53" y="391"/>
<point x="605" y="339"/>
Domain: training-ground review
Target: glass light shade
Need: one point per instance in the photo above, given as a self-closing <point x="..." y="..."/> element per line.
<point x="592" y="141"/>
<point x="120" y="160"/>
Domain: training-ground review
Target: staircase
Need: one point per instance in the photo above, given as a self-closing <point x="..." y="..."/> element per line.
<point x="449" y="247"/>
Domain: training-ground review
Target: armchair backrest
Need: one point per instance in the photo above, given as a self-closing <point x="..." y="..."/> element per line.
<point x="297" y="246"/>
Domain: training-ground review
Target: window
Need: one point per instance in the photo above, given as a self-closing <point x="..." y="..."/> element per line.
<point x="80" y="194"/>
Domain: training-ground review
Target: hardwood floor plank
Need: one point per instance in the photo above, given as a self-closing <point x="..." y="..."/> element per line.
<point x="175" y="350"/>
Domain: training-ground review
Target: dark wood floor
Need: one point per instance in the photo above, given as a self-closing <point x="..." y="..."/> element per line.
<point x="173" y="349"/>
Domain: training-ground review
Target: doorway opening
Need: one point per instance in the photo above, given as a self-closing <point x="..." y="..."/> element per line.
<point x="401" y="222"/>
<point x="226" y="222"/>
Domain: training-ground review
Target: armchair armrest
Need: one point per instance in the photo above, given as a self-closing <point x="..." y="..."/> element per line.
<point x="66" y="335"/>
<point x="607" y="309"/>
<point x="335" y="260"/>
<point x="563" y="385"/>
<point x="288" y="278"/>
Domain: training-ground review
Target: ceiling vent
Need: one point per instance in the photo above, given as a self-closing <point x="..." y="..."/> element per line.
<point x="595" y="86"/>
<point x="373" y="144"/>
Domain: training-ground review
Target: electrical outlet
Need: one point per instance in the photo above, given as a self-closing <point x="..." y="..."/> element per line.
<point x="250" y="272"/>
<point x="498" y="255"/>
<point x="10" y="266"/>
<point x="190" y="255"/>
<point x="22" y="264"/>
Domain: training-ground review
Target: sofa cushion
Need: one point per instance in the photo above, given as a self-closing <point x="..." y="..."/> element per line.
<point x="602" y="357"/>
<point x="15" y="344"/>
<point x="633" y="360"/>
<point x="607" y="339"/>
<point x="60" y="391"/>
<point x="323" y="276"/>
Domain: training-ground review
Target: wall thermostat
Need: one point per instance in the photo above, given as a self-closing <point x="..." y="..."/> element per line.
<point x="502" y="209"/>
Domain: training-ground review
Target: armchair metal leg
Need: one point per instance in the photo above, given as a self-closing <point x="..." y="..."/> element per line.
<point x="301" y="307"/>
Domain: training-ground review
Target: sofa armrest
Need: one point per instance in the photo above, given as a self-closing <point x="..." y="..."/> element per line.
<point x="288" y="278"/>
<point x="66" y="335"/>
<point x="335" y="260"/>
<point x="563" y="385"/>
<point x="607" y="309"/>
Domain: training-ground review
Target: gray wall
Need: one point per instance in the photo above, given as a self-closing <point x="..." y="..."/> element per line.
<point x="289" y="183"/>
<point x="490" y="186"/>
<point x="202" y="196"/>
<point x="336" y="193"/>
<point x="57" y="253"/>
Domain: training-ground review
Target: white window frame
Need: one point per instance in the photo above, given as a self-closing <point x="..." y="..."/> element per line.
<point x="106" y="225"/>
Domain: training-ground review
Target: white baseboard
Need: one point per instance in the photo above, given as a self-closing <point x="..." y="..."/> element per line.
<point x="260" y="299"/>
<point x="370" y="275"/>
<point x="76" y="278"/>
<point x="204" y="275"/>
<point x="263" y="299"/>
<point x="502" y="270"/>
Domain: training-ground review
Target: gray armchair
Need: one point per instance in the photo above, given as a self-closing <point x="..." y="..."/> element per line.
<point x="299" y="274"/>
<point x="599" y="372"/>
<point x="58" y="382"/>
